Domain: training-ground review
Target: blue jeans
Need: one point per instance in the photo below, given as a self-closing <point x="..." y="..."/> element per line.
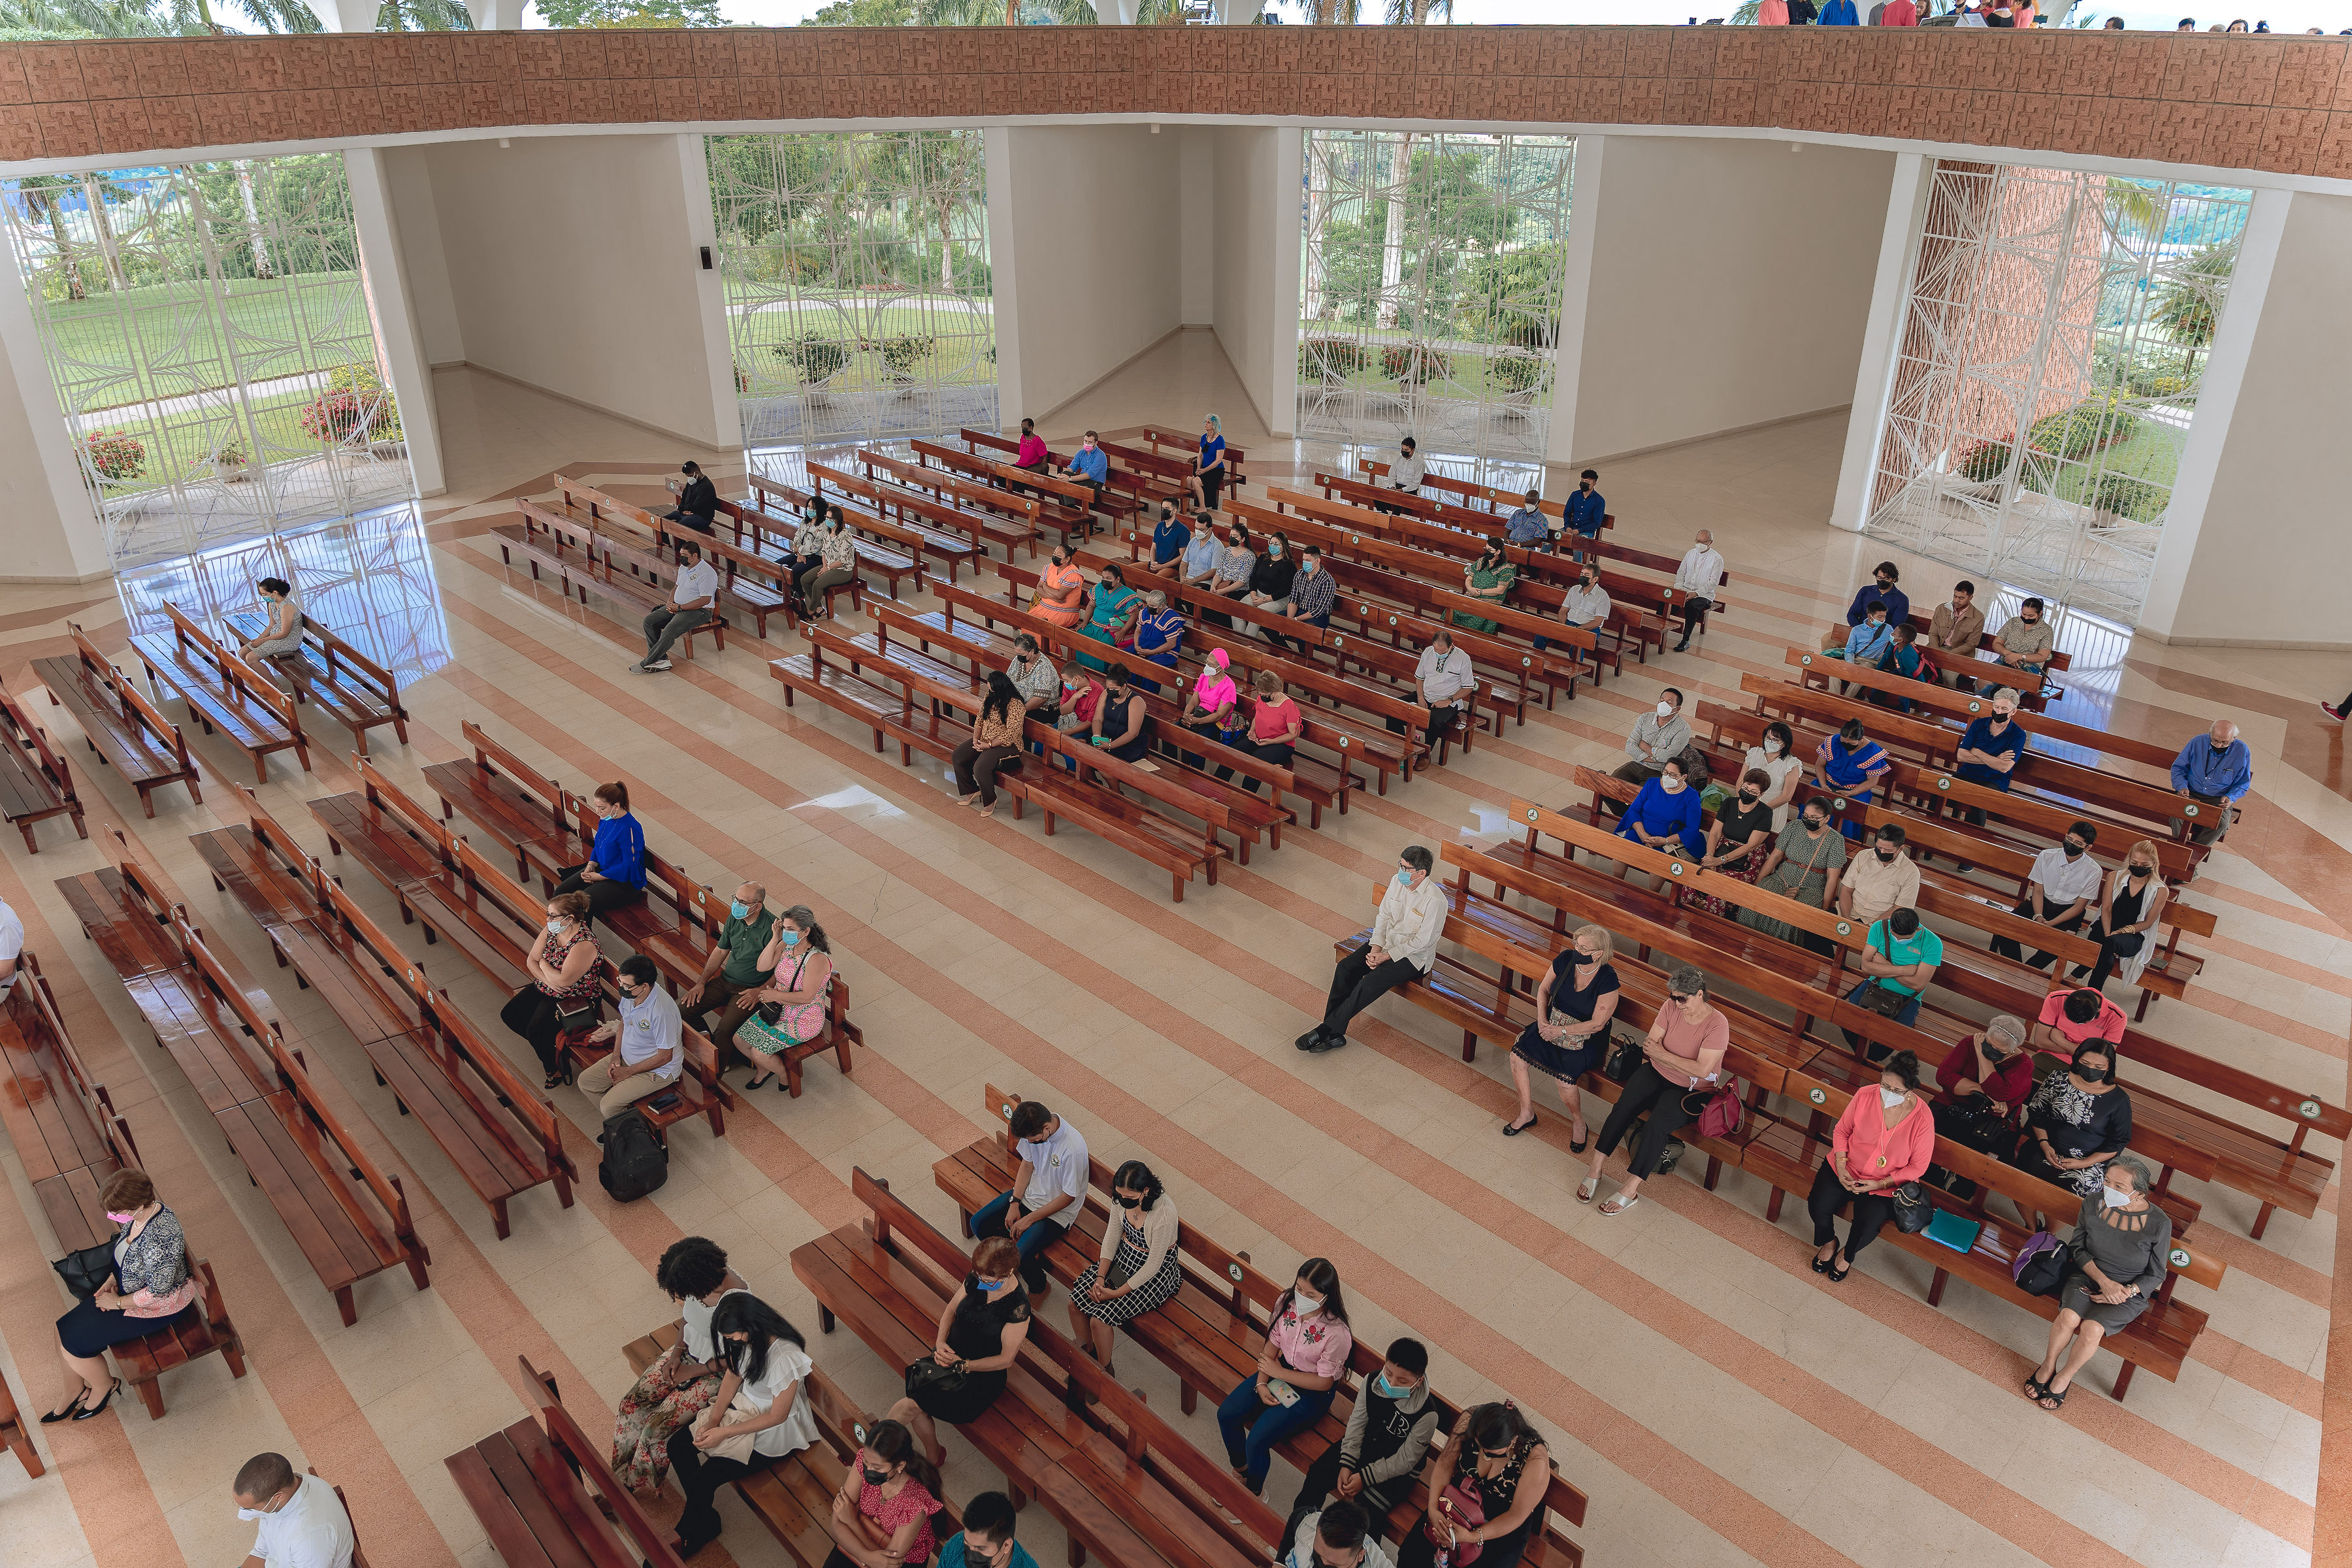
<point x="1273" y="1423"/>
<point x="1908" y="1017"/>
<point x="1034" y="1239"/>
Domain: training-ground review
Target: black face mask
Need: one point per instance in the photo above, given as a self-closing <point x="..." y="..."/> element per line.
<point x="1886" y="856"/>
<point x="1748" y="796"/>
<point x="2073" y="851"/>
<point x="2139" y="870"/>
<point x="1815" y="823"/>
<point x="1127" y="1203"/>
<point x="875" y="1478"/>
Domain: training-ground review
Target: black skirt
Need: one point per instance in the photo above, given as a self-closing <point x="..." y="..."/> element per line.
<point x="968" y="1402"/>
<point x="87" y="1331"/>
<point x="1566" y="1063"/>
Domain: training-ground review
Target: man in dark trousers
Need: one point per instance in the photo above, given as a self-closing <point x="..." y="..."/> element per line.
<point x="698" y="500"/>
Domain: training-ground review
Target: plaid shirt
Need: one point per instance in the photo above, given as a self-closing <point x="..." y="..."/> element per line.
<point x="1312" y="595"/>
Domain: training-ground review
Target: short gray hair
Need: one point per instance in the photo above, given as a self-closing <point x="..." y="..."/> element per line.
<point x="1686" y="981"/>
<point x="2008" y="1027"/>
<point x="2142" y="1181"/>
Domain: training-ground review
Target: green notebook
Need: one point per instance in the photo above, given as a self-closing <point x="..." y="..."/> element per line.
<point x="1954" y="1231"/>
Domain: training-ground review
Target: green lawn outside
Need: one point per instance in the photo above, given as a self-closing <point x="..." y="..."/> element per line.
<point x="280" y="420"/>
<point x="177" y="322"/>
<point x="2152" y="453"/>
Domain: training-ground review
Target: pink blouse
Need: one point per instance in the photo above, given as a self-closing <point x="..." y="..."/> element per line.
<point x="891" y="1512"/>
<point x="1876" y="1153"/>
<point x="1319" y="1344"/>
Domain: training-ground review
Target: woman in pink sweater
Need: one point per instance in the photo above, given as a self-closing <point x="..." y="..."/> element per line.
<point x="1886" y="1136"/>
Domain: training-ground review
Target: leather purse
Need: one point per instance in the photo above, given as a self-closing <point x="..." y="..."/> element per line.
<point x="87" y="1272"/>
<point x="1881" y="999"/>
<point x="1467" y="1512"/>
<point x="928" y="1376"/>
<point x="1625" y="1055"/>
<point x="1912" y="1209"/>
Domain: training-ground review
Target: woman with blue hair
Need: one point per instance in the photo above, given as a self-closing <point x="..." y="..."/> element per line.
<point x="1208" y="474"/>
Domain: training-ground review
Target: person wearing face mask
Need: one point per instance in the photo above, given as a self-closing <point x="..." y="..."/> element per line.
<point x="1502" y="1462"/>
<point x="1585" y="513"/>
<point x="1208" y="474"/>
<point x="1574" y="1002"/>
<point x="1303" y="1359"/>
<point x="1901" y="956"/>
<point x="1681" y="1062"/>
<point x="1865" y="644"/>
<point x="1737" y="842"/>
<point x="2025" y="639"/>
<point x="1274" y="726"/>
<point x="1527" y="524"/>
<point x="1171" y="537"/>
<point x="981" y="1330"/>
<point x="1990" y="749"/>
<point x="1880" y="590"/>
<point x="1048" y="1193"/>
<point x="1339" y="1535"/>
<point x="281" y="635"/>
<point x="1312" y="594"/>
<point x="1666" y="814"/>
<point x="1120" y="718"/>
<point x="1137" y="1269"/>
<point x="2059" y="891"/>
<point x="2076" y="1121"/>
<point x="1885" y="1137"/>
<point x="1489" y="578"/>
<point x="803" y="555"/>
<point x="1955" y="630"/>
<point x="1882" y="879"/>
<point x="986" y="1539"/>
<point x="882" y="1516"/>
<point x="836" y="550"/>
<point x="1212" y="706"/>
<point x="647" y="1053"/>
<point x="1206" y="548"/>
<point x="1034" y="679"/>
<point x="1806" y="864"/>
<point x="1112" y="609"/>
<point x="1271" y="578"/>
<point x="299" y="1521"/>
<point x="2134" y="905"/>
<point x="762" y="1412"/>
<point x="563" y="994"/>
<point x="732" y="971"/>
<point x="791" y="1009"/>
<point x="1656" y="735"/>
<point x="1060" y="594"/>
<point x="698" y="500"/>
<point x="1698" y="579"/>
<point x="1159" y="634"/>
<point x="1775" y="756"/>
<point x="151" y="1283"/>
<point x="2115" y="1262"/>
<point x="1236" y="567"/>
<point x="1089" y="466"/>
<point x="682" y="1384"/>
<point x="1375" y="1462"/>
<point x="1031" y="454"/>
<point x="1406" y="470"/>
<point x="1993" y="1063"/>
<point x="2216" y="770"/>
<point x="1851" y="764"/>
<point x="693" y="598"/>
<point x="615" y="872"/>
<point x="1584" y="606"/>
<point x="1443" y="678"/>
<point x="1403" y="946"/>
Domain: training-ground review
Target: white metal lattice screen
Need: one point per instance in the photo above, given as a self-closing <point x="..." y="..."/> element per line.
<point x="1431" y="291"/>
<point x="856" y="275"/>
<point x="2057" y="328"/>
<point x="209" y="336"/>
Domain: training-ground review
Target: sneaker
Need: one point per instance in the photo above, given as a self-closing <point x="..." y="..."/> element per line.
<point x="657" y="665"/>
<point x="2333" y="711"/>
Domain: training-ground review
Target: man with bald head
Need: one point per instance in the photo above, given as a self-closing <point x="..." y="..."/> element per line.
<point x="1699" y="577"/>
<point x="2216" y="771"/>
<point x="730" y="975"/>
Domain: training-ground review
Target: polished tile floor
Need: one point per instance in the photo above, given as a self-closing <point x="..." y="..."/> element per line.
<point x="1718" y="1402"/>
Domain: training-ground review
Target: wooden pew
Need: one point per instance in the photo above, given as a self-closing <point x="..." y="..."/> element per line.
<point x="1126" y="490"/>
<point x="1063" y="504"/>
<point x="1125" y="1487"/>
<point x="586" y="560"/>
<point x="345" y="683"/>
<point x="875" y="559"/>
<point x="14" y="1435"/>
<point x="988" y="516"/>
<point x="520" y="807"/>
<point x="1210" y="1334"/>
<point x="223" y="693"/>
<point x="923" y="527"/>
<point x="122" y="727"/>
<point x="1161" y="441"/>
<point x="547" y="1500"/>
<point x="35" y="783"/>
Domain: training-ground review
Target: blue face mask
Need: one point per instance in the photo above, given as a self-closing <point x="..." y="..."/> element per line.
<point x="739" y="909"/>
<point x="1405" y="879"/>
<point x="1387" y="1390"/>
<point x="789" y="937"/>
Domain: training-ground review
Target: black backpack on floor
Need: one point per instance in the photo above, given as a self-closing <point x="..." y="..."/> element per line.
<point x="635" y="1162"/>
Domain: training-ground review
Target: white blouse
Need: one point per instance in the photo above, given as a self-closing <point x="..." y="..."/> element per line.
<point x="1781" y="770"/>
<point x="696" y="1335"/>
<point x="788" y="1365"/>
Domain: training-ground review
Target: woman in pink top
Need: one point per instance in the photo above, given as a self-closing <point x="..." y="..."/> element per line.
<point x="1682" y="1065"/>
<point x="1305" y="1357"/>
<point x="1772" y="14"/>
<point x="882" y="1514"/>
<point x="1274" y="726"/>
<point x="1210" y="705"/>
<point x="1899" y="13"/>
<point x="1032" y="454"/>
<point x="1885" y="1137"/>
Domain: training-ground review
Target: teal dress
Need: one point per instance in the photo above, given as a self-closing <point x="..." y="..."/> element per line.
<point x="1112" y="601"/>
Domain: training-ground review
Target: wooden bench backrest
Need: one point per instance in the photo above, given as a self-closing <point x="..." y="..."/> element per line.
<point x="273" y="838"/>
<point x="493" y="758"/>
<point x="989" y="499"/>
<point x="200" y="956"/>
<point x="560" y="525"/>
<point x="981" y="468"/>
<point x="386" y="1188"/>
<point x="600" y="505"/>
<point x="530" y="1104"/>
<point x="942" y="517"/>
<point x="1831" y="712"/>
<point x="20" y="724"/>
<point x="406" y="973"/>
<point x="282" y="705"/>
<point x="679" y="888"/>
<point x="136" y="708"/>
<point x="588" y="1460"/>
<point x="520" y="903"/>
<point x="388" y="797"/>
<point x="187" y="632"/>
<point x="342" y="653"/>
<point x="1157" y="437"/>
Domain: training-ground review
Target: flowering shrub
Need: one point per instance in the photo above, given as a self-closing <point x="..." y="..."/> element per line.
<point x="334" y="418"/>
<point x="114" y="454"/>
<point x="1339" y="357"/>
<point x="1414" y="362"/>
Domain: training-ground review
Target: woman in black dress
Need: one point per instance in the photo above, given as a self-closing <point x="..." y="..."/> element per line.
<point x="151" y="1284"/>
<point x="1571" y="1035"/>
<point x="1502" y="1460"/>
<point x="980" y="1333"/>
<point x="2076" y="1121"/>
<point x="1139" y="1268"/>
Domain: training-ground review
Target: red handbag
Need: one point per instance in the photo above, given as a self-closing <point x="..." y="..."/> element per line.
<point x="1468" y="1513"/>
<point x="1720" y="1116"/>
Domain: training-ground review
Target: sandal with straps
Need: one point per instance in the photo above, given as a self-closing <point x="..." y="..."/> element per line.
<point x="2053" y="1399"/>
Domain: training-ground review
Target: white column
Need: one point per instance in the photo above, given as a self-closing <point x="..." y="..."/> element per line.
<point x="52" y="532"/>
<point x="2217" y="405"/>
<point x="385" y="281"/>
<point x="1289" y="254"/>
<point x="710" y="294"/>
<point x="1882" y="337"/>
<point x="346" y="16"/>
<point x="997" y="142"/>
<point x="1117" y="12"/>
<point x="1576" y="293"/>
<point x="495" y="16"/>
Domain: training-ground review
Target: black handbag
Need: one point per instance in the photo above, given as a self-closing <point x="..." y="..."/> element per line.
<point x="1625" y="1055"/>
<point x="1912" y="1209"/>
<point x="577" y="1019"/>
<point x="1881" y="999"/>
<point x="2045" y="1271"/>
<point x="928" y="1376"/>
<point x="87" y="1272"/>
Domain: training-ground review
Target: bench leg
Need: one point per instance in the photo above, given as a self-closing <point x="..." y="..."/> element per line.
<point x="417" y="1265"/>
<point x="150" y="1395"/>
<point x="824" y="1318"/>
<point x="498" y="1216"/>
<point x="344" y="1304"/>
<point x="563" y="1189"/>
<point x="146" y="800"/>
<point x="2123" y="1379"/>
<point x="1078" y="1553"/>
<point x="1713" y="1171"/>
<point x="1772" y="1208"/>
<point x="1935" y="1288"/>
<point x="2262" y="1219"/>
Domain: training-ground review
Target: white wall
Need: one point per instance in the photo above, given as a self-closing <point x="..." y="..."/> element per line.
<point x="1729" y="285"/>
<point x="571" y="267"/>
<point x="48" y="528"/>
<point x="409" y="181"/>
<point x="1096" y="282"/>
<point x="1196" y="216"/>
<point x="2263" y="567"/>
<point x="1254" y="225"/>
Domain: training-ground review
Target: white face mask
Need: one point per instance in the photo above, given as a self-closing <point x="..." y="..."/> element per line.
<point x="1666" y="709"/>
<point x="1771" y="745"/>
<point x="1305" y="1306"/>
<point x="2114" y="1199"/>
<point x="1670" y="784"/>
<point x="555" y="925"/>
<point x="1890" y="1098"/>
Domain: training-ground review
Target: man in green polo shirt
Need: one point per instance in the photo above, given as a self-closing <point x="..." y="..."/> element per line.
<point x="731" y="975"/>
<point x="1903" y="956"/>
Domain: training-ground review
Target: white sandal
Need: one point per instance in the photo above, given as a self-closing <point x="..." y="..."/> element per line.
<point x="1619" y="1205"/>
<point x="1586" y="1188"/>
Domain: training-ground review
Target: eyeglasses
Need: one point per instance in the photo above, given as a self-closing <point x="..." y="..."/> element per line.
<point x="1672" y="996"/>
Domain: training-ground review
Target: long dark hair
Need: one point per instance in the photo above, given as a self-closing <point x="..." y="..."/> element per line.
<point x="1492" y="1426"/>
<point x="744" y="1313"/>
<point x="890" y="1442"/>
<point x="813" y="933"/>
<point x="1138" y="1177"/>
<point x="1317" y="1272"/>
<point x="1002" y="695"/>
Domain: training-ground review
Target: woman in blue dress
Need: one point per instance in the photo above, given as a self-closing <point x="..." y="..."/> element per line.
<point x="1159" y="634"/>
<point x="1666" y="814"/>
<point x="1849" y="763"/>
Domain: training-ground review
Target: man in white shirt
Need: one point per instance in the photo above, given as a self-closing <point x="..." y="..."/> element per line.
<point x="301" y="1523"/>
<point x="2059" y="891"/>
<point x="1698" y="579"/>
<point x="1405" y="473"/>
<point x="1442" y="677"/>
<point x="1048" y="1191"/>
<point x="12" y="949"/>
<point x="690" y="599"/>
<point x="647" y="1053"/>
<point x="1402" y="947"/>
<point x="1585" y="606"/>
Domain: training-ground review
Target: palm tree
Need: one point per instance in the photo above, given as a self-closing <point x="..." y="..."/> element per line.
<point x="41" y="198"/>
<point x="2187" y="306"/>
<point x="97" y="190"/>
<point x="2137" y="205"/>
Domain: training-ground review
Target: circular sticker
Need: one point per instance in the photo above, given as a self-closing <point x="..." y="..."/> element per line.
<point x="1392" y="620"/>
<point x="2309" y="1108"/>
<point x="1837" y="802"/>
<point x="857" y="1430"/>
<point x="1535" y="811"/>
<point x="1005" y="1110"/>
<point x="1818" y="1096"/>
<point x="1233" y="1272"/>
<point x="1528" y="662"/>
<point x="1338" y="641"/>
<point x="2189" y="810"/>
<point x="1673" y="868"/>
<point x="1804" y="659"/>
<point x="2178" y="1257"/>
<point x="1975" y="706"/>
<point x="1845" y="928"/>
<point x="1942" y="782"/>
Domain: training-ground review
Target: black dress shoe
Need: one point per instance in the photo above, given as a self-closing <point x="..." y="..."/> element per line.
<point x="1683" y="647"/>
<point x="1306" y="1042"/>
<point x="87" y="1411"/>
<point x="1327" y="1043"/>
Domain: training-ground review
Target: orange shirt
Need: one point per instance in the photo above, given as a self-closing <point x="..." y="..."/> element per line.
<point x="1876" y="1153"/>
